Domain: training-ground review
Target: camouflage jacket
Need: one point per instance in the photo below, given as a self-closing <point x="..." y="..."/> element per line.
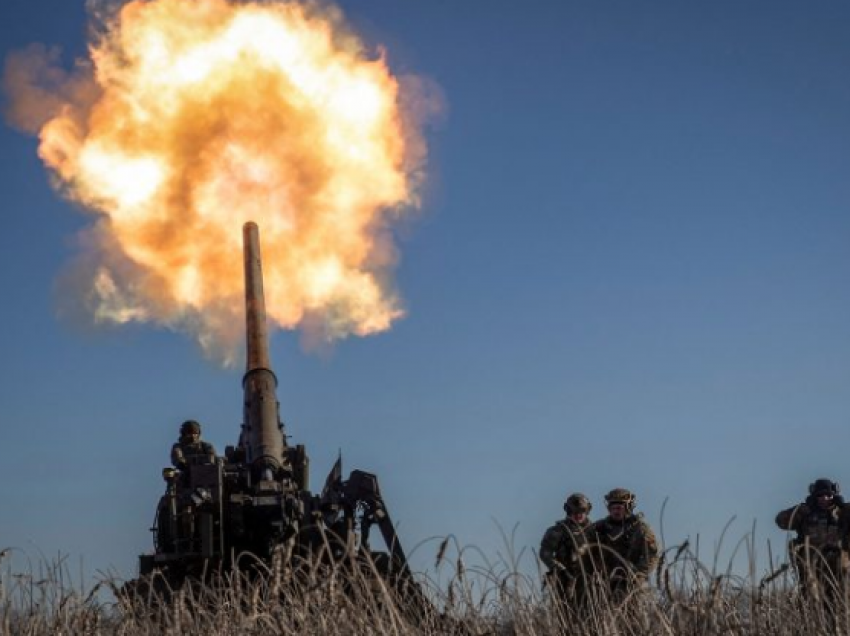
<point x="629" y="544"/>
<point x="181" y="451"/>
<point x="817" y="527"/>
<point x="563" y="545"/>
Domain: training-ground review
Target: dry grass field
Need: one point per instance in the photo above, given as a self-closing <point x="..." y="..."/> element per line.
<point x="684" y="598"/>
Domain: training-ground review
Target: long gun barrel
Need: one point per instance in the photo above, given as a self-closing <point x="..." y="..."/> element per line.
<point x="263" y="437"/>
<point x="258" y="499"/>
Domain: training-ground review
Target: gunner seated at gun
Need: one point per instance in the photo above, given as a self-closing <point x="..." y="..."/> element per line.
<point x="191" y="446"/>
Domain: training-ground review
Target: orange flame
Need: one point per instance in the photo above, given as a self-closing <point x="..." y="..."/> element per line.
<point x="204" y="114"/>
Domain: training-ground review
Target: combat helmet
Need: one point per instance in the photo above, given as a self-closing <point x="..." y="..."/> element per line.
<point x="824" y="486"/>
<point x="190" y="427"/>
<point x="577" y="502"/>
<point x="622" y="496"/>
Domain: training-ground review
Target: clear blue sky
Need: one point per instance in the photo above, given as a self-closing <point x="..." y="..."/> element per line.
<point x="632" y="268"/>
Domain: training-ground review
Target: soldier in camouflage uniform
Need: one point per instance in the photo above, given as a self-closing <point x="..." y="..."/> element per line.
<point x="563" y="550"/>
<point x="191" y="447"/>
<point x="626" y="551"/>
<point x="819" y="552"/>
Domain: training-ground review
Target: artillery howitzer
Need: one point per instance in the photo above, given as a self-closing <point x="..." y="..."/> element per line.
<point x="256" y="499"/>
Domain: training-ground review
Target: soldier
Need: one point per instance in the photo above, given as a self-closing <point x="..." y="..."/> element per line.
<point x="563" y="550"/>
<point x="819" y="552"/>
<point x="627" y="550"/>
<point x="190" y="446"/>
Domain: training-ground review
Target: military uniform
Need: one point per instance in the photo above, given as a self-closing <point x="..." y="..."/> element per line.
<point x="626" y="550"/>
<point x="563" y="545"/>
<point x="190" y="446"/>
<point x="819" y="552"/>
<point x="182" y="452"/>
<point x="563" y="550"/>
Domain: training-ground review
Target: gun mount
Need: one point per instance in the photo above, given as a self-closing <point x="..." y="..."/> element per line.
<point x="256" y="499"/>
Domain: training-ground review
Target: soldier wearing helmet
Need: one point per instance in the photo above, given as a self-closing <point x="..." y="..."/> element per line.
<point x="191" y="448"/>
<point x="819" y="552"/>
<point x="563" y="549"/>
<point x="627" y="549"/>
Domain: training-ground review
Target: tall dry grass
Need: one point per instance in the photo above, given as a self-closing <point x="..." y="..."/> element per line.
<point x="469" y="594"/>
